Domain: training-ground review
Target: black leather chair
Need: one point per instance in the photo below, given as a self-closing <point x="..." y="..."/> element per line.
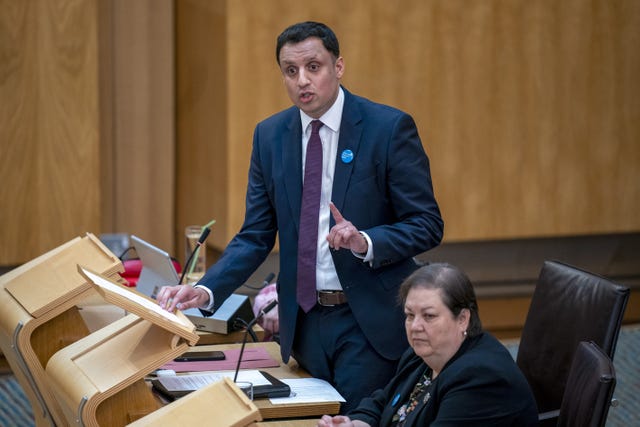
<point x="589" y="389"/>
<point x="569" y="305"/>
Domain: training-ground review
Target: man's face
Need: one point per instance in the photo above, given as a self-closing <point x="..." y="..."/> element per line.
<point x="311" y="75"/>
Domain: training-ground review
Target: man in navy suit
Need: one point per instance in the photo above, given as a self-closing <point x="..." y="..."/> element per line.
<point x="377" y="211"/>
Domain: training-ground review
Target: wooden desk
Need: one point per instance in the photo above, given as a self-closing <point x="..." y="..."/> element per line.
<point x="309" y="422"/>
<point x="290" y="370"/>
<point x="210" y="338"/>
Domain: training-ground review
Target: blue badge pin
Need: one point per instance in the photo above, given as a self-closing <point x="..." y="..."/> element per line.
<point x="347" y="156"/>
<point x="395" y="400"/>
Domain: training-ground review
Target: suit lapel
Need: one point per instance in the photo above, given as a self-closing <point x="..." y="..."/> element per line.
<point x="292" y="164"/>
<point x="350" y="133"/>
<point x="423" y="402"/>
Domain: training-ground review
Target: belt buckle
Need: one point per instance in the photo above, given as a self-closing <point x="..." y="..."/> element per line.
<point x="319" y="296"/>
<point x="327" y="294"/>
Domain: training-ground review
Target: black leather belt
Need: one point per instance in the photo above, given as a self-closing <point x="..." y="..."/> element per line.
<point x="331" y="298"/>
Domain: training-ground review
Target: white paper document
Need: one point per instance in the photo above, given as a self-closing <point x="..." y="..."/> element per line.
<point x="197" y="381"/>
<point x="309" y="390"/>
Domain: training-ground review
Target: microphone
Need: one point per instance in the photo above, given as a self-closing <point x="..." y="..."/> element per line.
<point x="264" y="311"/>
<point x="267" y="281"/>
<point x="187" y="265"/>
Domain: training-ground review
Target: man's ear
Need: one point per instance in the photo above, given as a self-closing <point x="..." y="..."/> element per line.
<point x="339" y="66"/>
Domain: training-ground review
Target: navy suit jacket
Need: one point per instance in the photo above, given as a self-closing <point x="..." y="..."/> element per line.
<point x="480" y="386"/>
<point x="385" y="191"/>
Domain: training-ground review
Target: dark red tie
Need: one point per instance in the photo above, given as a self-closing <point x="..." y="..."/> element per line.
<point x="309" y="211"/>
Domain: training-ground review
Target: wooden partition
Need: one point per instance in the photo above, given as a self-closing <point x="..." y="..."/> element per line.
<point x="529" y="110"/>
<point x="86" y="122"/>
<point x="49" y="161"/>
<point x="137" y="71"/>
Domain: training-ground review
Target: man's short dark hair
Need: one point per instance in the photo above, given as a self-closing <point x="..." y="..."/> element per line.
<point x="302" y="31"/>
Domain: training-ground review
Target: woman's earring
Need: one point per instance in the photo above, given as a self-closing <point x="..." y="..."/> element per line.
<point x="464" y="333"/>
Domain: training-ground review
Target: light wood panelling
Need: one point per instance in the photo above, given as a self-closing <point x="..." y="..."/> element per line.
<point x="203" y="173"/>
<point x="526" y="108"/>
<point x="142" y="98"/>
<point x="86" y="122"/>
<point x="49" y="166"/>
<point x="529" y="110"/>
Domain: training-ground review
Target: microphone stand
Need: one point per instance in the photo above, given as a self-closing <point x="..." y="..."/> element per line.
<point x="264" y="311"/>
<point x="238" y="320"/>
<point x="203" y="237"/>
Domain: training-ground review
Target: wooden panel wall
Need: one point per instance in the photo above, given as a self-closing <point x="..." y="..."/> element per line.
<point x="140" y="80"/>
<point x="202" y="149"/>
<point x="86" y="122"/>
<point x="529" y="110"/>
<point x="49" y="145"/>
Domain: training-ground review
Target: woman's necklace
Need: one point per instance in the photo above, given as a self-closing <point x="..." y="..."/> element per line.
<point x="420" y="393"/>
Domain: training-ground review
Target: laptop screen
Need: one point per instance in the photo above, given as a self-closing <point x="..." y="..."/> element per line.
<point x="157" y="268"/>
<point x="158" y="271"/>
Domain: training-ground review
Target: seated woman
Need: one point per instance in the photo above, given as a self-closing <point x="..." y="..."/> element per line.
<point x="454" y="374"/>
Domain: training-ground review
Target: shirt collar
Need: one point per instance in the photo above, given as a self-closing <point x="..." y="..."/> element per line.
<point x="331" y="118"/>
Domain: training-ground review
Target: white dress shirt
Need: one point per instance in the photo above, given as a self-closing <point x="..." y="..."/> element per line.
<point x="326" y="276"/>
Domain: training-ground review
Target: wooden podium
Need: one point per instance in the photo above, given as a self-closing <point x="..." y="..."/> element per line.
<point x="41" y="303"/>
<point x="99" y="379"/>
<point x="76" y="375"/>
<point x="221" y="403"/>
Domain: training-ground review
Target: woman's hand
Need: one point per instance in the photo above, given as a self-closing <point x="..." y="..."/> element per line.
<point x="270" y="321"/>
<point x="340" y="421"/>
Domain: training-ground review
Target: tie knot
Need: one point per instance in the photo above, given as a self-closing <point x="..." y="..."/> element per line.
<point x="315" y="126"/>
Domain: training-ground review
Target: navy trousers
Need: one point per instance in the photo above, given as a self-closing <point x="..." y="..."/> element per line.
<point x="330" y="345"/>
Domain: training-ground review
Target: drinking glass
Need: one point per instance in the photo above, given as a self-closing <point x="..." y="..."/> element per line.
<point x="198" y="264"/>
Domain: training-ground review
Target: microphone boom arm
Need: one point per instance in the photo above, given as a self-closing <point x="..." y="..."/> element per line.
<point x="203" y="237"/>
<point x="262" y="312"/>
